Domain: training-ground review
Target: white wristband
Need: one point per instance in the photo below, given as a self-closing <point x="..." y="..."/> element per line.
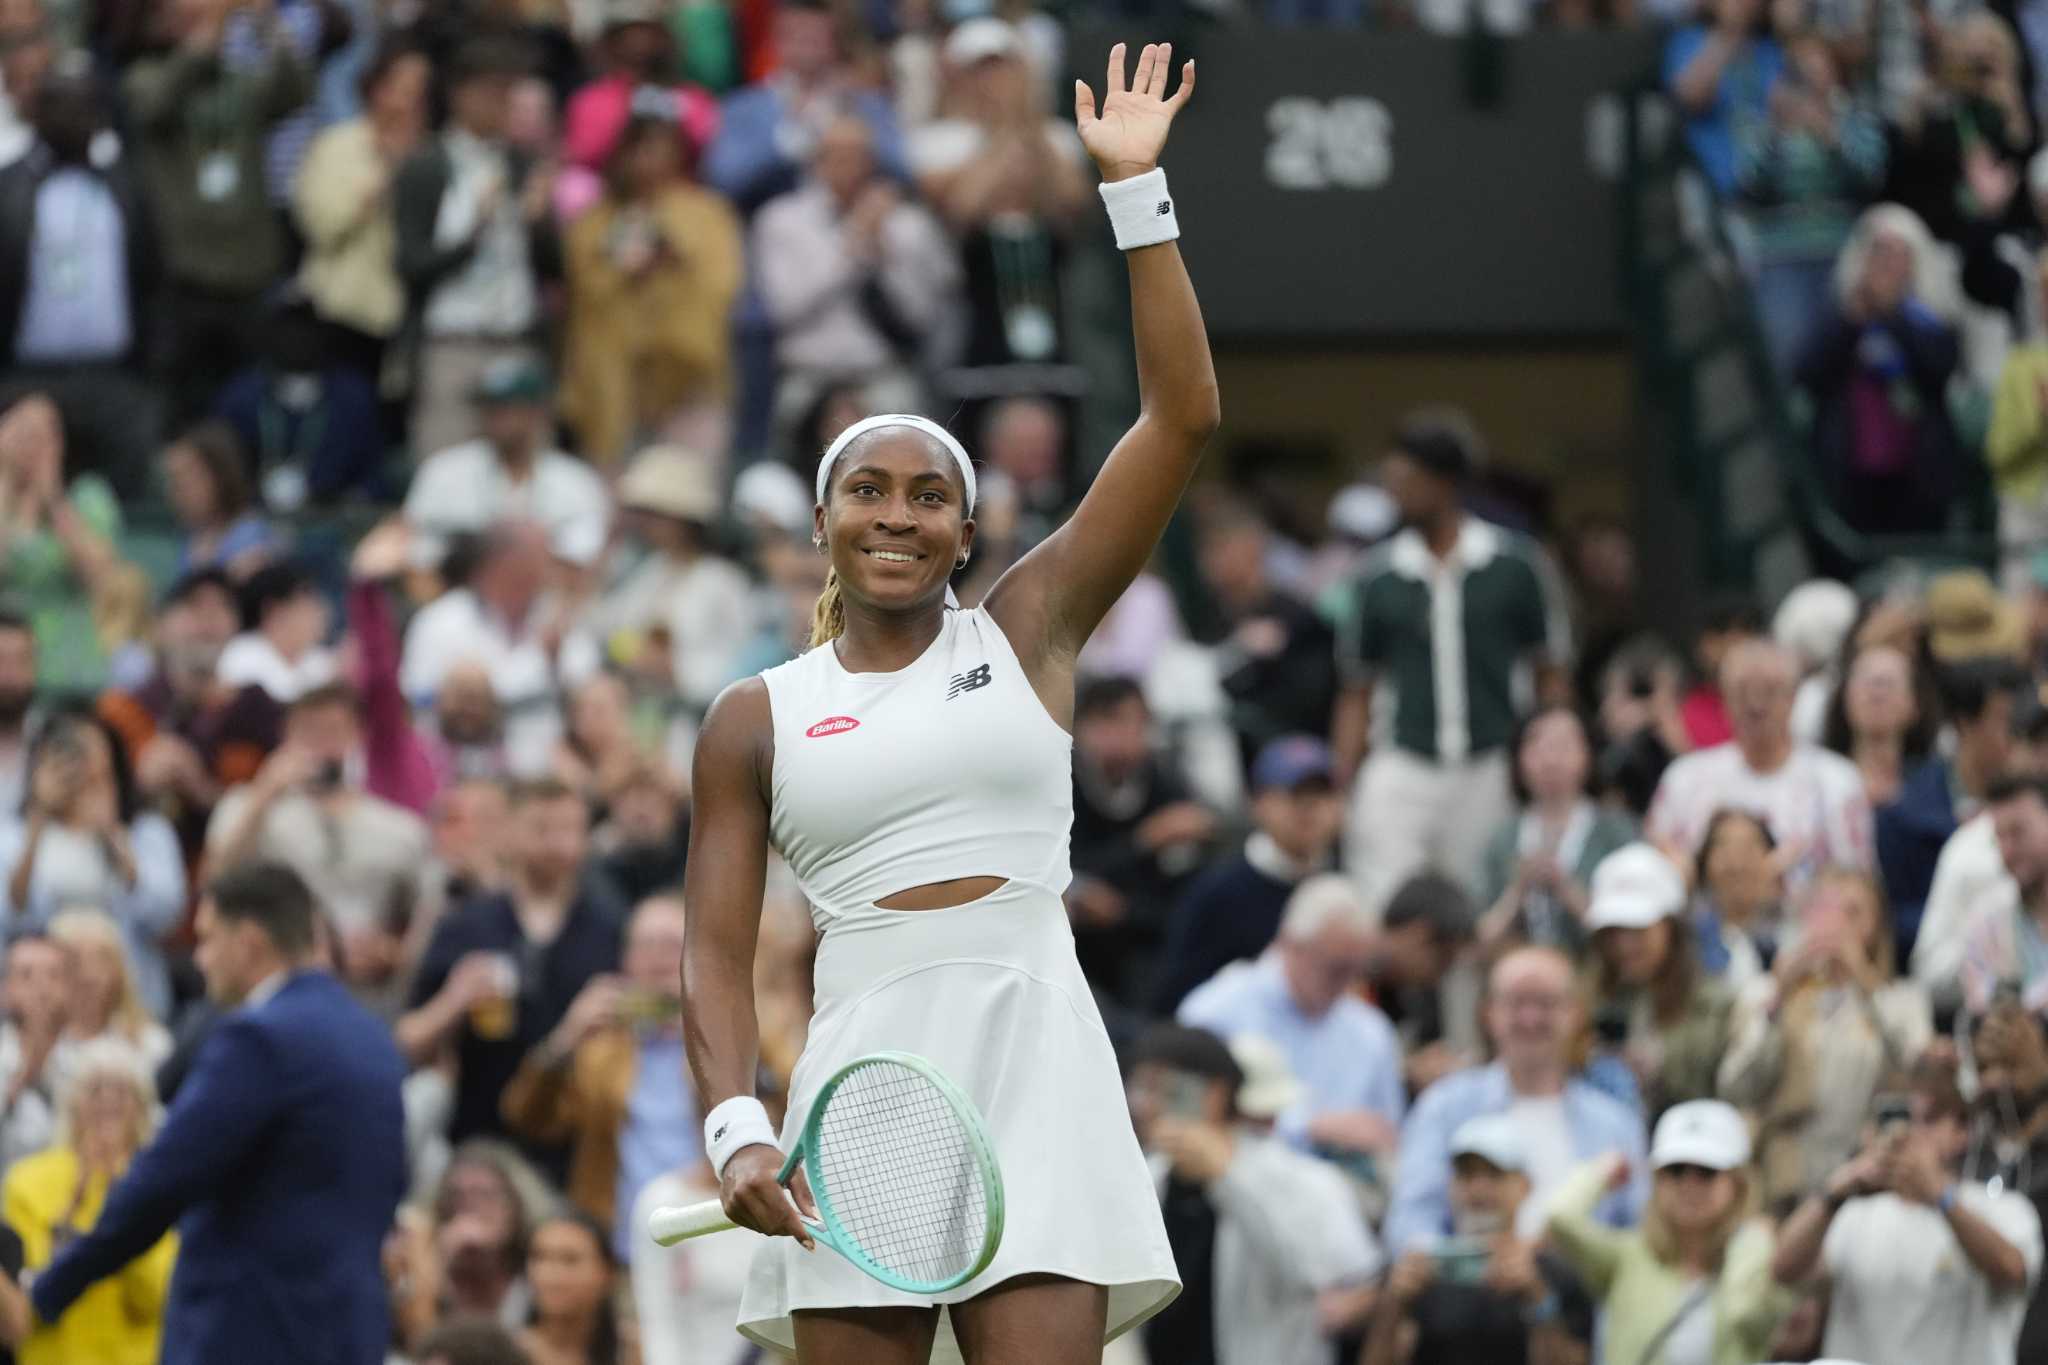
<point x="1141" y="210"/>
<point x="739" y="1122"/>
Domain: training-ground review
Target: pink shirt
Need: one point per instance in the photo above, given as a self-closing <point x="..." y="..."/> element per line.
<point x="599" y="112"/>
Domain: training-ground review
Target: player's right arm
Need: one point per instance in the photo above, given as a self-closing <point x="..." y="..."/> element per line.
<point x="723" y="881"/>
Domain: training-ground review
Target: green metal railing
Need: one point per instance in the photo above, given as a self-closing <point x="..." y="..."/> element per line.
<point x="1736" y="433"/>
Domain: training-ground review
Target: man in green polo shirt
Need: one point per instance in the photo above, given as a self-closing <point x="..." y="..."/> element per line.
<point x="1460" y="622"/>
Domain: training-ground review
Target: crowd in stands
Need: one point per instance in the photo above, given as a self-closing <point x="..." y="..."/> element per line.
<point x="407" y="415"/>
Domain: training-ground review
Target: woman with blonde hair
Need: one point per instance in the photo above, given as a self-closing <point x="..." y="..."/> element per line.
<point x="1692" y="1285"/>
<point x="1813" y="1041"/>
<point x="106" y="1003"/>
<point x="107" y="1112"/>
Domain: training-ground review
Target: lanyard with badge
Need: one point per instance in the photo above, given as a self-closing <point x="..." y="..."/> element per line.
<point x="212" y="120"/>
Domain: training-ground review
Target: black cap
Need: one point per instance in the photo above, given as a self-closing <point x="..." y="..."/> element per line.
<point x="1443" y="441"/>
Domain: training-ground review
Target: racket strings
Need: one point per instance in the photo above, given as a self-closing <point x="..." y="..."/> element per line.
<point x="902" y="1174"/>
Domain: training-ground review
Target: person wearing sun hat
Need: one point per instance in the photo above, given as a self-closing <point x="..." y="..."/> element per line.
<point x="1517" y="1304"/>
<point x="1646" y="968"/>
<point x="1693" y="1282"/>
<point x="1967" y="621"/>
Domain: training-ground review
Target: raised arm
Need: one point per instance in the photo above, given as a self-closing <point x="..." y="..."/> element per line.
<point x="1051" y="600"/>
<point x="723" y="881"/>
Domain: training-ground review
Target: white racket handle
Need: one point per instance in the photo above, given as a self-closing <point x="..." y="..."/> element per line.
<point x="671" y="1225"/>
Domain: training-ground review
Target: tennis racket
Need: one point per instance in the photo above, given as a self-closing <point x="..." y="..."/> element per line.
<point x="902" y="1172"/>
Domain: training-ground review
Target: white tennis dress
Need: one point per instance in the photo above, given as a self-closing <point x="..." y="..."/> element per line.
<point x="945" y="769"/>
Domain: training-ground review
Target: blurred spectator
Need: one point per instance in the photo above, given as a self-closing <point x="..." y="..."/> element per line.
<point x="1812" y="800"/>
<point x="2005" y="946"/>
<point x="79" y="271"/>
<point x="1646" y="971"/>
<point x="769" y="132"/>
<point x="1530" y="1018"/>
<point x="688" y="1295"/>
<point x="473" y="1257"/>
<point x="1414" y="977"/>
<point x="1919" y="1264"/>
<point x="1878" y="722"/>
<point x="316" y="30"/>
<point x="1740" y="876"/>
<point x="206" y="482"/>
<point x="1877" y="370"/>
<point x="309" y="420"/>
<point x="639" y="53"/>
<point x="2016" y="446"/>
<point x="108" y="1113"/>
<point x="1270" y="1242"/>
<point x="200" y="124"/>
<point x="1143" y="625"/>
<point x="26" y="53"/>
<point x="470" y="1342"/>
<point x="1275" y="661"/>
<point x="678" y="617"/>
<point x="105" y="1003"/>
<point x="1814" y="622"/>
<point x="35" y="991"/>
<point x="1722" y="71"/>
<point x="1814" y="1042"/>
<point x="1968" y="117"/>
<point x="1728" y="621"/>
<point x="285" y="620"/>
<point x="83" y="838"/>
<point x="644" y="843"/>
<point x="17" y="702"/>
<point x="291" y="1120"/>
<point x="1600" y="564"/>
<point x="510" y="471"/>
<point x="1139" y="836"/>
<point x="501" y="971"/>
<point x="571" y="1268"/>
<point x="501" y="648"/>
<point x="598" y="749"/>
<point x="654" y="267"/>
<point x="1804" y="173"/>
<point x="475" y="238"/>
<point x="2011" y="1053"/>
<point x="342" y="203"/>
<point x="1694" y="1281"/>
<point x="1025" y="440"/>
<point x="365" y="858"/>
<point x="1640" y="724"/>
<point x="1232" y="910"/>
<point x="1298" y="994"/>
<point x="1946" y="789"/>
<point x="1541" y="858"/>
<point x="856" y="278"/>
<point x="57" y="551"/>
<point x="610" y="1078"/>
<point x="1436" y="793"/>
<point x="1487" y="1294"/>
<point x="471" y="837"/>
<point x="1010" y="180"/>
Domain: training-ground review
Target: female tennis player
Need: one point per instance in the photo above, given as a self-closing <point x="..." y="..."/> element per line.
<point x="914" y="768"/>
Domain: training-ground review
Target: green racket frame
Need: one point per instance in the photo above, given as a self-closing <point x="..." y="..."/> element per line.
<point x="833" y="1233"/>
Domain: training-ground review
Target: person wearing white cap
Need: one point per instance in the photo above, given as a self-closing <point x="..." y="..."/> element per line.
<point x="1485" y="1294"/>
<point x="919" y="759"/>
<point x="1532" y="1017"/>
<point x="1646" y="970"/>
<point x="1920" y="1264"/>
<point x="1692" y="1285"/>
<point x="681" y="612"/>
<point x="1288" y="1261"/>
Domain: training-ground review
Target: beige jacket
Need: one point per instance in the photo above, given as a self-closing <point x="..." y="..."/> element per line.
<point x="342" y="203"/>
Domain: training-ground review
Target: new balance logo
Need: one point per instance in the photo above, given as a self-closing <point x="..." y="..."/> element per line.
<point x="719" y="1135"/>
<point x="968" y="681"/>
<point x="1165" y="207"/>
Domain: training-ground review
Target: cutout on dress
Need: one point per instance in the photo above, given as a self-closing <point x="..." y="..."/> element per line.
<point x="943" y="895"/>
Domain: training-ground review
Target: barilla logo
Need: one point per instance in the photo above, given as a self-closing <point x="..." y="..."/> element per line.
<point x="833" y="725"/>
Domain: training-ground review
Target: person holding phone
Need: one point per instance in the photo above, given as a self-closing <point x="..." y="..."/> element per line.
<point x="1483" y="1296"/>
<point x="1920" y="1264"/>
<point x="610" y="1081"/>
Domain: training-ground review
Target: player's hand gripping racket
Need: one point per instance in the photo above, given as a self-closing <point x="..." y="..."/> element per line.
<point x="901" y="1170"/>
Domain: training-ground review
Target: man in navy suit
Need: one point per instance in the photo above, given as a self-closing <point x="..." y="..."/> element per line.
<point x="281" y="1161"/>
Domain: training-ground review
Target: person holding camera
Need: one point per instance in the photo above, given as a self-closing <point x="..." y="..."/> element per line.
<point x="365" y="858"/>
<point x="609" y="1079"/>
<point x="1483" y="1296"/>
<point x="1920" y="1265"/>
<point x="2010" y="1047"/>
<point x="1274" y="1254"/>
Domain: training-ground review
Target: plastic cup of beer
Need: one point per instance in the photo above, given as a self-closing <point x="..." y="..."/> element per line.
<point x="497" y="1014"/>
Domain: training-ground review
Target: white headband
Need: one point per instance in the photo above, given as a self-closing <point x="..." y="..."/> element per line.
<point x="897" y="419"/>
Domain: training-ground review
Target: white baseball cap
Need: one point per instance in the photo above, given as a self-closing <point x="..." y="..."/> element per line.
<point x="979" y="39"/>
<point x="1494" y="1139"/>
<point x="1706" y="1133"/>
<point x="1633" y="888"/>
<point x="1269" y="1088"/>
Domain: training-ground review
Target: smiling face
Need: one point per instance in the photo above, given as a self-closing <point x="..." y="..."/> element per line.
<point x="895" y="520"/>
